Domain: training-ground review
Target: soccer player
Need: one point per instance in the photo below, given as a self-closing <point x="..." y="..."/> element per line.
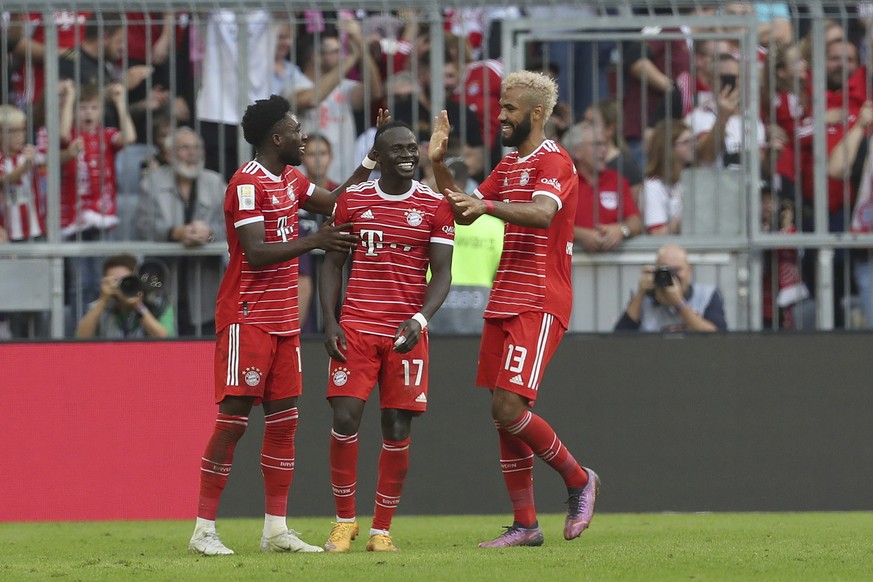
<point x="533" y="190"/>
<point x="257" y="351"/>
<point x="402" y="225"/>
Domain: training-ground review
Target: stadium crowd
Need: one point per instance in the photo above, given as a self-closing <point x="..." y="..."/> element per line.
<point x="637" y="117"/>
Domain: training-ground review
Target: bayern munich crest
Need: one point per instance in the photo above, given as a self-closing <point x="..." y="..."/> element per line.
<point x="290" y="192"/>
<point x="525" y="178"/>
<point x="252" y="376"/>
<point x="414" y="217"/>
<point x="340" y="376"/>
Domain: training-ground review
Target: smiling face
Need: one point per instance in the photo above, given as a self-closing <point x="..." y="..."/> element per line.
<point x="398" y="154"/>
<point x="514" y="118"/>
<point x="290" y="140"/>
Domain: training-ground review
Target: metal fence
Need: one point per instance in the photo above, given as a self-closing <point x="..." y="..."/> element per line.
<point x="197" y="64"/>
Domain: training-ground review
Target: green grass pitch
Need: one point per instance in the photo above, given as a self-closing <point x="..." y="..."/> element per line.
<point x="759" y="546"/>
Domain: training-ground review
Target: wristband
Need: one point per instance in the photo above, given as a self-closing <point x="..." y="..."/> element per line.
<point x="420" y="319"/>
<point x="489" y="207"/>
<point x="141" y="309"/>
<point x="679" y="306"/>
<point x="368" y="163"/>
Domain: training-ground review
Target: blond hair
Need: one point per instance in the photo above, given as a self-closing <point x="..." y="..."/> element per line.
<point x="11" y="115"/>
<point x="540" y="89"/>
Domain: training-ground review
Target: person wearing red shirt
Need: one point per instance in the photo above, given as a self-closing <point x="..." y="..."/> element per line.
<point x="257" y="350"/>
<point x="606" y="214"/>
<point x="534" y="190"/>
<point x="403" y="226"/>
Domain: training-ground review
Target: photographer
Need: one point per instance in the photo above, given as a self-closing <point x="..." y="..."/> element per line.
<point x="666" y="301"/>
<point x="130" y="305"/>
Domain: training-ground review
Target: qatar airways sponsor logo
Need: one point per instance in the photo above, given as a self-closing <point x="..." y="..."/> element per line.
<point x="448" y="230"/>
<point x="553" y="182"/>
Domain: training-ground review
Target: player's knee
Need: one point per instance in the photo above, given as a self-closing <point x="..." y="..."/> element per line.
<point x="346" y="421"/>
<point x="506" y="407"/>
<point x="396" y="424"/>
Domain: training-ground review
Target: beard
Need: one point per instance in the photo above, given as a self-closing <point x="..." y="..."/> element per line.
<point x="189" y="171"/>
<point x="519" y="133"/>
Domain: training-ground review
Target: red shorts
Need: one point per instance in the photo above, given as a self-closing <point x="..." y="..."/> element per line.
<point x="371" y="358"/>
<point x="514" y="352"/>
<point x="252" y="362"/>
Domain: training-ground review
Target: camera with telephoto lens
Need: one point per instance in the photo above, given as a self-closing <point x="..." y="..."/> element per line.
<point x="130" y="286"/>
<point x="664" y="276"/>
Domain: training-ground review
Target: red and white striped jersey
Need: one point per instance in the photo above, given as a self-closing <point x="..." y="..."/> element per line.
<point x="389" y="266"/>
<point x="22" y="203"/>
<point x="534" y="270"/>
<point x="265" y="297"/>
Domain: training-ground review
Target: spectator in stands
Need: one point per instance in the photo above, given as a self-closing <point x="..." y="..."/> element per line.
<point x="159" y="41"/>
<point x="29" y="50"/>
<point x="317" y="155"/>
<point x="606" y="214"/>
<point x="184" y="202"/>
<point x="846" y="92"/>
<point x="604" y="114"/>
<point x="96" y="60"/>
<point x="843" y="157"/>
<point x="466" y="137"/>
<point x="328" y="104"/>
<point x="22" y="205"/>
<point x="219" y="96"/>
<point x="130" y="305"/>
<point x="784" y="106"/>
<point x="671" y="150"/>
<point x="718" y="124"/>
<point x="88" y="186"/>
<point x="692" y="87"/>
<point x="649" y="67"/>
<point x="667" y="301"/>
<point x="286" y="75"/>
<point x="783" y="288"/>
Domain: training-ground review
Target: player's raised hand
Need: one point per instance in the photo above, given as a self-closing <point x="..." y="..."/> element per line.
<point x="439" y="139"/>
<point x="383" y="116"/>
<point x="335" y="341"/>
<point x="337" y="238"/>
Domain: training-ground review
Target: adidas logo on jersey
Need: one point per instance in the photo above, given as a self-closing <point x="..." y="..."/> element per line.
<point x="368" y="214"/>
<point x="421" y="398"/>
<point x="275" y="200"/>
<point x="517" y="380"/>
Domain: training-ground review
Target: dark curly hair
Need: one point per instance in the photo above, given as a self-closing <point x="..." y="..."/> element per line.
<point x="262" y="116"/>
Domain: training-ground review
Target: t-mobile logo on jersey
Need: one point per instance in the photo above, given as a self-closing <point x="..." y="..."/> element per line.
<point x="283" y="229"/>
<point x="372" y="240"/>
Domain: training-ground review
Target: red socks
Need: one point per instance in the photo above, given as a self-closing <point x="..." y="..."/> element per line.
<point x="277" y="459"/>
<point x="344" y="472"/>
<point x="541" y="438"/>
<point x="217" y="460"/>
<point x="393" y="464"/>
<point x="516" y="463"/>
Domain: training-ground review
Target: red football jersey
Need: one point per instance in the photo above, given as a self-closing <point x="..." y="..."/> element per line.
<point x="534" y="270"/>
<point x="267" y="296"/>
<point x="611" y="201"/>
<point x="88" y="186"/>
<point x="389" y="266"/>
<point x="482" y="86"/>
